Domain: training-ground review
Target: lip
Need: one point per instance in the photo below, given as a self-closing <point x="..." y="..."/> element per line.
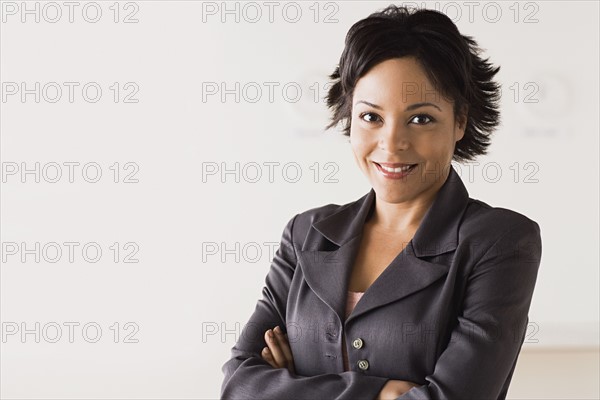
<point x="394" y="175"/>
<point x="393" y="165"/>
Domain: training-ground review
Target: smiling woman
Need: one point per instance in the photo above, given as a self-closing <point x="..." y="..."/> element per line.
<point x="415" y="290"/>
<point x="402" y="143"/>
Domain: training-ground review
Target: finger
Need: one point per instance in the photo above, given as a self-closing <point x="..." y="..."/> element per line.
<point x="271" y="363"/>
<point x="284" y="345"/>
<point x="267" y="356"/>
<point x="276" y="352"/>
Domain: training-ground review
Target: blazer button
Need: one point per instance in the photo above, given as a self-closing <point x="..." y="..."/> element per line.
<point x="357" y="343"/>
<point x="363" y="364"/>
<point x="331" y="336"/>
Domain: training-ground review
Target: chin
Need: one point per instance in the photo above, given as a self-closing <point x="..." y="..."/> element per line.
<point x="390" y="194"/>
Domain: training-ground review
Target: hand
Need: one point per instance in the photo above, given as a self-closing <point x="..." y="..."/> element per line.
<point x="394" y="388"/>
<point x="278" y="352"/>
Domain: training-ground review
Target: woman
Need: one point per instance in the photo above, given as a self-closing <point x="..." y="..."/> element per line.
<point x="415" y="290"/>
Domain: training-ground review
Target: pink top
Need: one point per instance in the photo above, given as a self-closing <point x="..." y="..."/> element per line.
<point x="353" y="298"/>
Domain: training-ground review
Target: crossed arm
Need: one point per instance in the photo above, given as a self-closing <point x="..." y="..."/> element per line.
<point x="279" y="355"/>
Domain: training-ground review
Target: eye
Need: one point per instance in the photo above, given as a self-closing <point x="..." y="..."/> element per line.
<point x="424" y="118"/>
<point x="372" y="117"/>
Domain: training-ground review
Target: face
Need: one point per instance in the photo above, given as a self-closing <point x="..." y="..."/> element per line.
<point x="398" y="118"/>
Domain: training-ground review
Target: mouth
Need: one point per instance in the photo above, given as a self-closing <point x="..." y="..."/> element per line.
<point x="395" y="170"/>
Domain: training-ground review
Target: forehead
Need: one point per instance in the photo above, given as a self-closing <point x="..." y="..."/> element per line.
<point x="397" y="80"/>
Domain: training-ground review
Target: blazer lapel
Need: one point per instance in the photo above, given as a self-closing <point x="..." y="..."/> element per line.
<point x="327" y="272"/>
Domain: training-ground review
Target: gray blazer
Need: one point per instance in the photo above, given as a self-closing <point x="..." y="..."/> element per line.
<point x="450" y="312"/>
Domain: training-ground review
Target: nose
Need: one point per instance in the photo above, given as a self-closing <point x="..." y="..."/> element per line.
<point x="394" y="137"/>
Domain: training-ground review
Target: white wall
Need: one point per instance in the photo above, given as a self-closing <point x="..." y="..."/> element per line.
<point x="172" y="297"/>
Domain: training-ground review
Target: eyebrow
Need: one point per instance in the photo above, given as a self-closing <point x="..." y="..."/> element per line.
<point x="409" y="108"/>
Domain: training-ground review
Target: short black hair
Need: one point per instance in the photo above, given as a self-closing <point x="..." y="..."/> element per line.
<point x="451" y="61"/>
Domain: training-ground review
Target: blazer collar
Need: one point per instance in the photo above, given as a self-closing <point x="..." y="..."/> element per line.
<point x="327" y="272"/>
<point x="437" y="233"/>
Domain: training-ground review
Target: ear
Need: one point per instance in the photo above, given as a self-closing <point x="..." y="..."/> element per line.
<point x="461" y="123"/>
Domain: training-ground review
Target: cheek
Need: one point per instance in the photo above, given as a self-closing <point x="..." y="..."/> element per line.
<point x="361" y="147"/>
<point x="362" y="132"/>
<point x="357" y="148"/>
<point x="358" y="140"/>
<point x="434" y="146"/>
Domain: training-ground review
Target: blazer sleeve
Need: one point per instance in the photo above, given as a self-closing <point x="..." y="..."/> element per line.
<point x="248" y="376"/>
<point x="492" y="322"/>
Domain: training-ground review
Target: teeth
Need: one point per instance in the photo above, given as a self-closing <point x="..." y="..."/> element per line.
<point x="401" y="169"/>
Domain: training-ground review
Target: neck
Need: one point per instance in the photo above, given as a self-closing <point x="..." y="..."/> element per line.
<point x="390" y="217"/>
<point x="402" y="217"/>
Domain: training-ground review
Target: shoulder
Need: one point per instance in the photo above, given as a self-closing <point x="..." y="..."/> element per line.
<point x="300" y="225"/>
<point x="490" y="224"/>
<point x="304" y="219"/>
